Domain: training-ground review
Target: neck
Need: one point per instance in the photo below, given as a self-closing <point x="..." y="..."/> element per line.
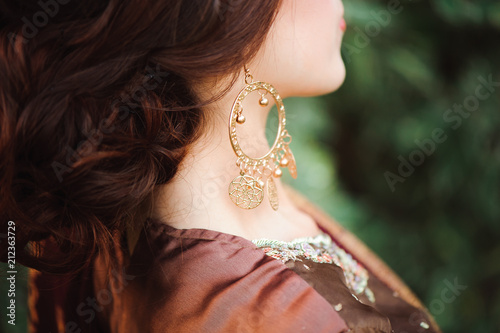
<point x="197" y="197"/>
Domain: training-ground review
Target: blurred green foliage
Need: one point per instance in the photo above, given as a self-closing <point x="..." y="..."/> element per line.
<point x="407" y="71"/>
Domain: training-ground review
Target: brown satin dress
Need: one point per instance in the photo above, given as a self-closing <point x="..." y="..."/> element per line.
<point x="200" y="280"/>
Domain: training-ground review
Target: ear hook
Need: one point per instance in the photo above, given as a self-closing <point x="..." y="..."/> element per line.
<point x="249" y="79"/>
<point x="248" y="76"/>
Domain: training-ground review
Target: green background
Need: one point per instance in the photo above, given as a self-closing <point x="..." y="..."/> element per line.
<point x="441" y="224"/>
<point x="405" y="71"/>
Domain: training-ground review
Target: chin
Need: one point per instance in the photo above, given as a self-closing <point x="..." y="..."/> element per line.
<point x="323" y="83"/>
<point x="338" y="78"/>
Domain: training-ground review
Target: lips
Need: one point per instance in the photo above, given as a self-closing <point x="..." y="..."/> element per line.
<point x="343" y="25"/>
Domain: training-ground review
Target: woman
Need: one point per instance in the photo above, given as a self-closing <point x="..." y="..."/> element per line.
<point x="144" y="208"/>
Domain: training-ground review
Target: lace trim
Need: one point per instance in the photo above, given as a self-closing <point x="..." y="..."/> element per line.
<point x="320" y="249"/>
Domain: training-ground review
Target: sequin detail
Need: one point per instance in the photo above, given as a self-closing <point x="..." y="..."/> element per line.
<point x="424" y="325"/>
<point x="320" y="249"/>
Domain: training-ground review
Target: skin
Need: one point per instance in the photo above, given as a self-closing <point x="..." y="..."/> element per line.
<point x="300" y="57"/>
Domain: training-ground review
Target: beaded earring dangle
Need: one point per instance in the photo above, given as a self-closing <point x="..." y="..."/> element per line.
<point x="247" y="189"/>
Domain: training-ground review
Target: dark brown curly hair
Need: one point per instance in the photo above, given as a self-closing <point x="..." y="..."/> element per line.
<point x="97" y="108"/>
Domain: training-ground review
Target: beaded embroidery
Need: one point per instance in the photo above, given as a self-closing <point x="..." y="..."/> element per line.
<point x="320" y="249"/>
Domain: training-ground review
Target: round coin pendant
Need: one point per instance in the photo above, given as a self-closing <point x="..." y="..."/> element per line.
<point x="272" y="193"/>
<point x="246" y="192"/>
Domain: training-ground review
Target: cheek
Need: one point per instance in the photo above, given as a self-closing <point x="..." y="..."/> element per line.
<point x="316" y="50"/>
<point x="320" y="30"/>
<point x="302" y="55"/>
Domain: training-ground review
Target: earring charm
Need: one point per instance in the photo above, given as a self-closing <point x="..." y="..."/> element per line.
<point x="263" y="100"/>
<point x="247" y="189"/>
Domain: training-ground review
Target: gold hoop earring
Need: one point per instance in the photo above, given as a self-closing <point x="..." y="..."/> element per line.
<point x="247" y="190"/>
